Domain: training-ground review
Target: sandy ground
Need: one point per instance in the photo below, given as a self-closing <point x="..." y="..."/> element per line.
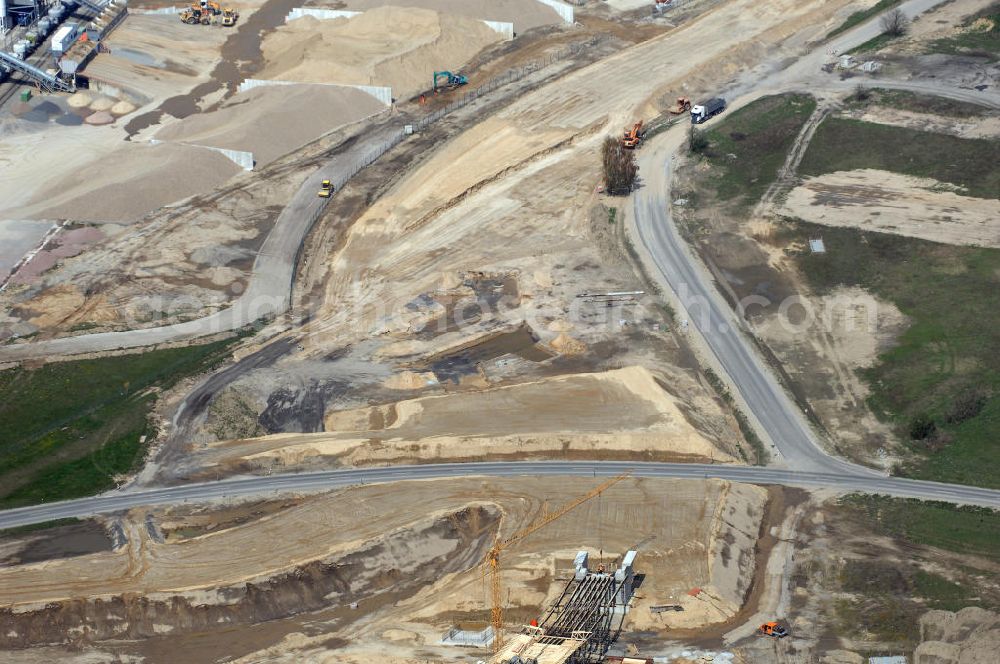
<point x="899" y="204"/>
<point x="942" y="22"/>
<point x="386" y="46"/>
<point x="162" y="173"/>
<point x="622" y="412"/>
<point x="973" y="127"/>
<point x="524" y="14"/>
<point x="702" y="537"/>
<point x="18" y="237"/>
<point x="272" y="121"/>
<point x="155" y="56"/>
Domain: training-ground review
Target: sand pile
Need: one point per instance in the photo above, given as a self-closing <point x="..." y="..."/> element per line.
<point x="272" y="121"/>
<point x="122" y="108"/>
<point x="136" y="179"/>
<point x="100" y="118"/>
<point x="388" y="46"/>
<point x="79" y="100"/>
<point x="524" y="14"/>
<point x="102" y="104"/>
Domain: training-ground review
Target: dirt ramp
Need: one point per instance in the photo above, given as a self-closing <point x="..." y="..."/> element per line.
<point x="387" y="46"/>
<point x="272" y="121"/>
<point x="134" y="181"/>
<point x="387" y="569"/>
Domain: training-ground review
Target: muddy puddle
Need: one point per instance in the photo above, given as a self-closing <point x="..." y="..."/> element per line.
<point x="520" y="342"/>
<point x="78" y="539"/>
<point x="241" y="58"/>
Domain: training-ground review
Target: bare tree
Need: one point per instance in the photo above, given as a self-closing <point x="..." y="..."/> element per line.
<point x="895" y="23"/>
<point x="620" y="168"/>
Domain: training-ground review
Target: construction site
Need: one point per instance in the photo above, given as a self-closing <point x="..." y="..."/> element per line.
<point x="499" y="331"/>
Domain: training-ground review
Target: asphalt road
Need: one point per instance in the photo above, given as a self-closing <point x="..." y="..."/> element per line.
<point x="800" y="460"/>
<point x="269" y="290"/>
<point x="334" y="479"/>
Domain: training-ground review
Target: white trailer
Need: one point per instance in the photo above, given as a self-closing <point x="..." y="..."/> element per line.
<point x="64" y="38"/>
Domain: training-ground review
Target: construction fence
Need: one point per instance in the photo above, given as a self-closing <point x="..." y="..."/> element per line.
<point x="393" y="139"/>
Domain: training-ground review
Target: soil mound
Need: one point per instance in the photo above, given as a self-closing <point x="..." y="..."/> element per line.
<point x="388" y="46"/>
<point x="154" y="175"/>
<point x="272" y="121"/>
<point x="524" y="14"/>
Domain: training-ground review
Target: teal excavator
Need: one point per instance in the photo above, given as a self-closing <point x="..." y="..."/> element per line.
<point x="451" y="81"/>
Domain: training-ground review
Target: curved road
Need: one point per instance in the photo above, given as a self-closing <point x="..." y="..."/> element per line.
<point x="667" y="253"/>
<point x="334" y="479"/>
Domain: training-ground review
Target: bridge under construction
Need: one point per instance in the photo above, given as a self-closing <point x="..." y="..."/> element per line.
<point x="582" y="623"/>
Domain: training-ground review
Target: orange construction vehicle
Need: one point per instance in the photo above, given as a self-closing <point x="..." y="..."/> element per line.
<point x="633" y="136"/>
<point x="683" y="105"/>
<point x="213" y="8"/>
<point x="773" y="629"/>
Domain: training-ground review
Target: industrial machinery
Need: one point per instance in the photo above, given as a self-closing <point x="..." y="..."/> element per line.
<point x="773" y="629"/>
<point x="633" y="136"/>
<point x="325" y="189"/>
<point x="451" y="81"/>
<point x="195" y="15"/>
<point x="213" y="8"/>
<point x="683" y="105"/>
<point x="229" y="16"/>
<point x="712" y="107"/>
<point x="492" y="560"/>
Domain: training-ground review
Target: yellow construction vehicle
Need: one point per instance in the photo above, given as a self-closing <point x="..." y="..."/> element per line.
<point x="229" y="16"/>
<point x="492" y="560"/>
<point x="325" y="189"/>
<point x="195" y="14"/>
<point x="213" y="8"/>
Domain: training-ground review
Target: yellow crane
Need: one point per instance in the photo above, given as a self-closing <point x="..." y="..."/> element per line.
<point x="492" y="561"/>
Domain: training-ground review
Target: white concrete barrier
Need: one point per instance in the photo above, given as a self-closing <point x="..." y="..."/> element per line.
<point x="565" y="11"/>
<point x="505" y="30"/>
<point x="242" y="159"/>
<point x="161" y="10"/>
<point x="299" y="12"/>
<point x="383" y="94"/>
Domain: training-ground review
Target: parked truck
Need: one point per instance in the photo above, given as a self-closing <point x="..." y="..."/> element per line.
<point x="712" y="107"/>
<point x="63" y="38"/>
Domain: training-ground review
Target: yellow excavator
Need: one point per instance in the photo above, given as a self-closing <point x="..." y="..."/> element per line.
<point x="203" y="13"/>
<point x="229" y="16"/>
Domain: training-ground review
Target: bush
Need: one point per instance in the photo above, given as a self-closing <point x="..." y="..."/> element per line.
<point x="697" y="141"/>
<point x="620" y="168"/>
<point x="966" y="406"/>
<point x="894" y="23"/>
<point x="922" y="427"/>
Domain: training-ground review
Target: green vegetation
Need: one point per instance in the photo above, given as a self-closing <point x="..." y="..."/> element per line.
<point x="911" y="101"/>
<point x="862" y="16"/>
<point x="749" y="147"/>
<point x="612" y="215"/>
<point x="842" y="144"/>
<point x="874" y="44"/>
<point x="761" y="456"/>
<point x="965" y="530"/>
<point x="980" y="36"/>
<point x="67" y="429"/>
<point x="940" y="385"/>
<point x="35" y="527"/>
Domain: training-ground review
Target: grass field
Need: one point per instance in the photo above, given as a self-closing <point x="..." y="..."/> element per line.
<point x="842" y="144"/>
<point x="966" y="530"/>
<point x="888" y="595"/>
<point x="905" y="100"/>
<point x="748" y="147"/>
<point x="980" y="36"/>
<point x="67" y="429"/>
<point x="940" y="386"/>
<point x="862" y="16"/>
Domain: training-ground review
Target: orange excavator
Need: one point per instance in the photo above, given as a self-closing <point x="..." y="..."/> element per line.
<point x="683" y="105"/>
<point x="633" y="136"/>
<point x="773" y="629"/>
